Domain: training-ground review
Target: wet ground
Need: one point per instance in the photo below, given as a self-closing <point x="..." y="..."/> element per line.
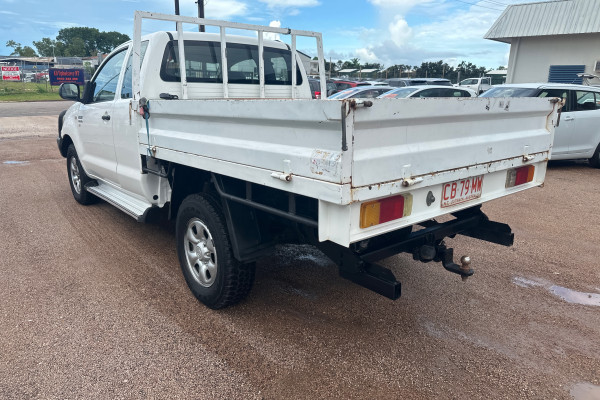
<point x="93" y="304"/>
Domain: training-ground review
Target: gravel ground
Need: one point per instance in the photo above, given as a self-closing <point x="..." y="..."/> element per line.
<point x="93" y="305"/>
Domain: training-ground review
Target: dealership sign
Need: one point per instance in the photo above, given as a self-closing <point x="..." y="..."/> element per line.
<point x="60" y="75"/>
<point x="11" y="74"/>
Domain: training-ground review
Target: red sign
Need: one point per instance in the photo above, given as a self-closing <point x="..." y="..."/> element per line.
<point x="11" y="74"/>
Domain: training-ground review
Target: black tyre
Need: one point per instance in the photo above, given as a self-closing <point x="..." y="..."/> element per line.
<point x="211" y="271"/>
<point x="77" y="178"/>
<point x="595" y="160"/>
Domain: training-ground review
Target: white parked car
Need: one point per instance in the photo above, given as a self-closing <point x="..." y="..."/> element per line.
<point x="479" y="85"/>
<point x="428" y="91"/>
<point x="361" y="92"/>
<point x="578" y="133"/>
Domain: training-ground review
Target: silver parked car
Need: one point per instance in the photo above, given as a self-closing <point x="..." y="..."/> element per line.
<point x="363" y="92"/>
<point x="428" y="91"/>
<point x="578" y="134"/>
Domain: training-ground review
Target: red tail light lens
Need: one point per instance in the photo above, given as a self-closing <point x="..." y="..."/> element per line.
<point x="519" y="176"/>
<point x="317" y="94"/>
<point x="384" y="210"/>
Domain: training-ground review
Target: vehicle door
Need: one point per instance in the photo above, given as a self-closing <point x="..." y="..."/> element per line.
<point x="97" y="149"/>
<point x="125" y="131"/>
<point x="563" y="132"/>
<point x="585" y="124"/>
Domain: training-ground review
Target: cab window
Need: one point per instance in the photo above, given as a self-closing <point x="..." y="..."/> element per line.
<point x="105" y="83"/>
<point x="585" y="101"/>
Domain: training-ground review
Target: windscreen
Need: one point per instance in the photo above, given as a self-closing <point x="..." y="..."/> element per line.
<point x="508" y="91"/>
<point x="399" y="93"/>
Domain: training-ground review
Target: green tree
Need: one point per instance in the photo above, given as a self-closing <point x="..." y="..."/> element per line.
<point x="107" y="41"/>
<point x="399" y="71"/>
<point x="49" y="48"/>
<point x="438" y="69"/>
<point x="78" y="41"/>
<point x="19" y="50"/>
<point x="377" y="66"/>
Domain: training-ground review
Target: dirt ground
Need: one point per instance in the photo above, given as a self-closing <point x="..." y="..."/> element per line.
<point x="93" y="305"/>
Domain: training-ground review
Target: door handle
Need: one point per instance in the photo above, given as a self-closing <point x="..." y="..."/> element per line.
<point x="569" y="119"/>
<point x="106" y="117"/>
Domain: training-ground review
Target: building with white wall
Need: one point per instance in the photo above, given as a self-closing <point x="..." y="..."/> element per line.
<point x="550" y="41"/>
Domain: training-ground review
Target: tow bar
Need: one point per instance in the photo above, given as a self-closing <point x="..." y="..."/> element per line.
<point x="357" y="263"/>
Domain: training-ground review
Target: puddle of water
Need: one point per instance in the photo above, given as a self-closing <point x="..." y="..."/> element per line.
<point x="585" y="391"/>
<point x="525" y="282"/>
<point x="566" y="294"/>
<point x="572" y="296"/>
<point x="15" y="162"/>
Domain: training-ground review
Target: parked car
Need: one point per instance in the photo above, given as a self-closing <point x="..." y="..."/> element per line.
<point x="344" y="84"/>
<point x="479" y="85"/>
<point x="578" y="133"/>
<point x="428" y="91"/>
<point x="376" y="83"/>
<point x="402" y="82"/>
<point x="362" y="92"/>
<point x="315" y="87"/>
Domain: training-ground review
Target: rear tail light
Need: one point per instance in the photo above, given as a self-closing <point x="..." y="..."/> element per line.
<point x="317" y="94"/>
<point x="385" y="210"/>
<point x="519" y="176"/>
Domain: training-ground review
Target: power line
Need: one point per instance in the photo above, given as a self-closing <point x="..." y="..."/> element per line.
<point x="478" y="5"/>
<point x="496" y="3"/>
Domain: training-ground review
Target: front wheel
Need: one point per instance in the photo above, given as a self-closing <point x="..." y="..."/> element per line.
<point x="77" y="178"/>
<point x="595" y="160"/>
<point x="211" y="271"/>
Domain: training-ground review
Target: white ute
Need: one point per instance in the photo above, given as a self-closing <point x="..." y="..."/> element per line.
<point x="230" y="144"/>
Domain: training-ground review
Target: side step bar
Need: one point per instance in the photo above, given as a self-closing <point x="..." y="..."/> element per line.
<point x="132" y="206"/>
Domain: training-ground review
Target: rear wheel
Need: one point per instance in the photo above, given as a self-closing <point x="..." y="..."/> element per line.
<point x="77" y="178"/>
<point x="595" y="160"/>
<point x="211" y="271"/>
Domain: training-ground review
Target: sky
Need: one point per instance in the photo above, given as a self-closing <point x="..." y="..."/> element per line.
<point x="384" y="31"/>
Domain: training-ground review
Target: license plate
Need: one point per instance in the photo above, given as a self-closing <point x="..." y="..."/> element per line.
<point x="460" y="191"/>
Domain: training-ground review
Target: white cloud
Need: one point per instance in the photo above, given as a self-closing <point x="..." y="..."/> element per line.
<point x="366" y="55"/>
<point x="398" y="6"/>
<point x="400" y="32"/>
<point x="273" y="36"/>
<point x="221" y="9"/>
<point x="421" y="30"/>
<point x="290" y="3"/>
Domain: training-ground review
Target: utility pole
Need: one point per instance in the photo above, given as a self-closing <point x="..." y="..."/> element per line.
<point x="176" y="11"/>
<point x="200" y="12"/>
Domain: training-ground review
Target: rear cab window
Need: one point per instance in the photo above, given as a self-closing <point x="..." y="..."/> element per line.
<point x="203" y="64"/>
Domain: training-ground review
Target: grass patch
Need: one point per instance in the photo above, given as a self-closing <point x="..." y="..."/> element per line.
<point x="20" y="91"/>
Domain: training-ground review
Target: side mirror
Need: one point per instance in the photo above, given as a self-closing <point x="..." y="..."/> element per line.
<point x="69" y="91"/>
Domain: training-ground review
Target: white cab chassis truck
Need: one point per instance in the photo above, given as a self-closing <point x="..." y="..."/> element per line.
<point x="220" y="133"/>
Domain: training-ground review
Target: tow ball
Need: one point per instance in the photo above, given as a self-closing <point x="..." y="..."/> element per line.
<point x="464" y="269"/>
<point x="445" y="255"/>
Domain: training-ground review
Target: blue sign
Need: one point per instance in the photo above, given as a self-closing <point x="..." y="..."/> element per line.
<point x="60" y="75"/>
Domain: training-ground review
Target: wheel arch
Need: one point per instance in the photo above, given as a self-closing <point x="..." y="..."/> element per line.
<point x="65" y="142"/>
